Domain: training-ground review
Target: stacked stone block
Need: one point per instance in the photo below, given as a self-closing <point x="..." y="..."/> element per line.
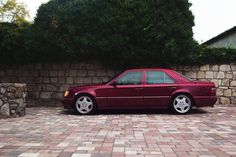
<point x="12" y="100"/>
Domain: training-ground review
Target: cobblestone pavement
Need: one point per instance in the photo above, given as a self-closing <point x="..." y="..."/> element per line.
<point x="49" y="132"/>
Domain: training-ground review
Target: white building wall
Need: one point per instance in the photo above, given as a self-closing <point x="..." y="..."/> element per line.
<point x="228" y="42"/>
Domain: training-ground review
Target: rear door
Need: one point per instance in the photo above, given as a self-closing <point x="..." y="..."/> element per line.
<point x="158" y="88"/>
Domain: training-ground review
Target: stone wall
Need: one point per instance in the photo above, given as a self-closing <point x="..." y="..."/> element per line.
<point x="12" y="100"/>
<point x="49" y="81"/>
<point x="224" y="77"/>
<point x="46" y="83"/>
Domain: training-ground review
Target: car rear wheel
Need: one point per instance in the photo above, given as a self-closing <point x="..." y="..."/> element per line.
<point x="182" y="104"/>
<point x="85" y="105"/>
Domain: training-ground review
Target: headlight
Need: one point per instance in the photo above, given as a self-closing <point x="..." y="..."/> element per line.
<point x="66" y="93"/>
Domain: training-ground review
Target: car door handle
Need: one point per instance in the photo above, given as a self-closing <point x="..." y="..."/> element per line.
<point x="138" y="89"/>
<point x="173" y="87"/>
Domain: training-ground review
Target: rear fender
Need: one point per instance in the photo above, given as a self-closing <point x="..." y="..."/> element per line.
<point x="182" y="91"/>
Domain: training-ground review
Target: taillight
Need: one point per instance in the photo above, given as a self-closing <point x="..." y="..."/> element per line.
<point x="213" y="90"/>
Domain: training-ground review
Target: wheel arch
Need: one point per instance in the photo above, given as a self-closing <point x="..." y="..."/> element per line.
<point x="77" y="95"/>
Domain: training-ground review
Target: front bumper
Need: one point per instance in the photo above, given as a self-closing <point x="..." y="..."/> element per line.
<point x="204" y="101"/>
<point x="67" y="103"/>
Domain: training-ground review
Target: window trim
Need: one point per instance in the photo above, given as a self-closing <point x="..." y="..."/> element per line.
<point x="145" y="82"/>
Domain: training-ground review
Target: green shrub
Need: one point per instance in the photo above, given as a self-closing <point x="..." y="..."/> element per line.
<point x="215" y="56"/>
<point x="12" y="43"/>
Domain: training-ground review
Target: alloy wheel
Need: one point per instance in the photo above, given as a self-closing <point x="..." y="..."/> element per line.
<point x="182" y="104"/>
<point x="84" y="105"/>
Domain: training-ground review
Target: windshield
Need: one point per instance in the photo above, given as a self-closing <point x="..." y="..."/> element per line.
<point x="114" y="77"/>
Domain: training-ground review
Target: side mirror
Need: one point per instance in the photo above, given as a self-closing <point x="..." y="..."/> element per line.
<point x="114" y="83"/>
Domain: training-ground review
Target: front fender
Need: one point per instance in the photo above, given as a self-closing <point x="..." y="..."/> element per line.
<point x="101" y="103"/>
<point x="89" y="92"/>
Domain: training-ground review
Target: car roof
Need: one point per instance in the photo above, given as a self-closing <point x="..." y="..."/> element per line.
<point x="145" y="69"/>
<point x="172" y="73"/>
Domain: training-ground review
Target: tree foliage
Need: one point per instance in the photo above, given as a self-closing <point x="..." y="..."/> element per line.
<point x="118" y="33"/>
<point x="121" y="32"/>
<point x="13" y="42"/>
<point x="13" y="12"/>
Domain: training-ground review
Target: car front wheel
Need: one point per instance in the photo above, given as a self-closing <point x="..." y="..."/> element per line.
<point x="85" y="105"/>
<point x="182" y="104"/>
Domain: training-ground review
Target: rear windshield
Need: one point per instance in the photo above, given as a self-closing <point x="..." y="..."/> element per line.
<point x="181" y="75"/>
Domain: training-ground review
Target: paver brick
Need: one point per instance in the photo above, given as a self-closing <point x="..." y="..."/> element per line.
<point x="53" y="132"/>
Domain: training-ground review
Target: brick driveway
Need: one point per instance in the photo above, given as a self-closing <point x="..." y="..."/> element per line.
<point x="49" y="132"/>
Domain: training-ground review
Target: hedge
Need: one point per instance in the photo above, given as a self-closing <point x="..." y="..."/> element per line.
<point x="215" y="55"/>
<point x="19" y="46"/>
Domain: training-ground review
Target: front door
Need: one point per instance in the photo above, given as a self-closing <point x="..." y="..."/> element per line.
<point x="128" y="91"/>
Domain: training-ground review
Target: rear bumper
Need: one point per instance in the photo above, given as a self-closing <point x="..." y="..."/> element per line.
<point x="67" y="103"/>
<point x="204" y="101"/>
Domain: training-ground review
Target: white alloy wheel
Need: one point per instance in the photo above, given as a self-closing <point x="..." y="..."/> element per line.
<point x="182" y="104"/>
<point x="84" y="105"/>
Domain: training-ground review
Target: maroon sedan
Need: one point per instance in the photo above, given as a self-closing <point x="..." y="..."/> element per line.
<point x="142" y="89"/>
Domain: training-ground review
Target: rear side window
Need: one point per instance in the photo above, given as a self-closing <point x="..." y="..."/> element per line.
<point x="130" y="78"/>
<point x="158" y="77"/>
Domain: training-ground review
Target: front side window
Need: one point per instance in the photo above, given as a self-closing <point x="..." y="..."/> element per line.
<point x="158" y="77"/>
<point x="130" y="78"/>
